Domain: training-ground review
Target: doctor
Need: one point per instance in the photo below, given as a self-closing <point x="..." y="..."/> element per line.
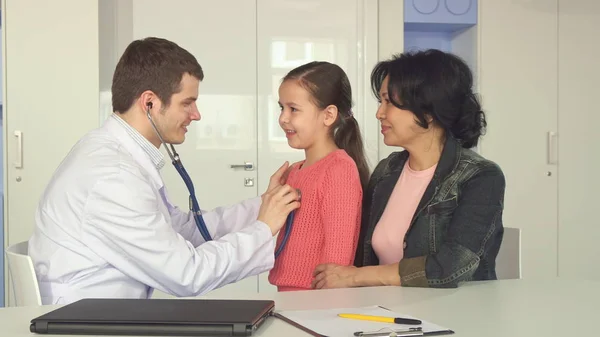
<point x="104" y="226"/>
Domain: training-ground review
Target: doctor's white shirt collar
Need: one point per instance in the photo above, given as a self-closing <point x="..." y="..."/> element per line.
<point x="158" y="159"/>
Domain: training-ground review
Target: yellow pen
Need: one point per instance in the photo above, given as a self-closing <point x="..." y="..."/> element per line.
<point x="396" y="320"/>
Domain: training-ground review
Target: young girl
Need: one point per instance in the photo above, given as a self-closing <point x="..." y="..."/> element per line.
<point x="316" y="101"/>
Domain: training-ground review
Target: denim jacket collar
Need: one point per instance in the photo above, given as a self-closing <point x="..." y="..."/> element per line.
<point x="449" y="160"/>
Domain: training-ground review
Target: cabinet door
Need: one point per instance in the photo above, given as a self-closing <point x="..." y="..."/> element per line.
<point x="292" y="33"/>
<point x="222" y="36"/>
<point x="51" y="74"/>
<point x="518" y="83"/>
<point x="578" y="138"/>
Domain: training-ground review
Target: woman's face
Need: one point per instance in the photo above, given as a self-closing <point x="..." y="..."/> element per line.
<point x="399" y="127"/>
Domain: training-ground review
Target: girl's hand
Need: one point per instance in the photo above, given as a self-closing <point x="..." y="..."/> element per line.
<point x="334" y="276"/>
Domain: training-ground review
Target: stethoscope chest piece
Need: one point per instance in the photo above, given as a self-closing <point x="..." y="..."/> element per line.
<point x="288" y="227"/>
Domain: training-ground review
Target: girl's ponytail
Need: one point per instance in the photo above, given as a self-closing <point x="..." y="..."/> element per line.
<point x="348" y="137"/>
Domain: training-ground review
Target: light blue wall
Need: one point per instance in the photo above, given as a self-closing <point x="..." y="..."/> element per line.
<point x="433" y="24"/>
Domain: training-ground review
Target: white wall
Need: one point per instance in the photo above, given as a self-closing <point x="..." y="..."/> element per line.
<point x="530" y="84"/>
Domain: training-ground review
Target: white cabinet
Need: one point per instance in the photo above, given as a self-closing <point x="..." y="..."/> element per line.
<point x="539" y="84"/>
<point x="51" y="97"/>
<point x="578" y="139"/>
<point x="518" y="82"/>
<point x="537" y="73"/>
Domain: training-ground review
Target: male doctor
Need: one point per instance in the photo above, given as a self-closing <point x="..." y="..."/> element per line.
<point x="104" y="226"/>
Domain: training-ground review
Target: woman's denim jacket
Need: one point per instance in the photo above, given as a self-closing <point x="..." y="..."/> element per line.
<point x="457" y="229"/>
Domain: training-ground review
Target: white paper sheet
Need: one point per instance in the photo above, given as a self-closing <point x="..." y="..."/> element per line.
<point x="327" y="322"/>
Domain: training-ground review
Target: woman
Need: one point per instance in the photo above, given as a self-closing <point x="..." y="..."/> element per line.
<point x="432" y="213"/>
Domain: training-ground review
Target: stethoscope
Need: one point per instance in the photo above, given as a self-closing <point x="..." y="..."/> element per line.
<point x="194" y="206"/>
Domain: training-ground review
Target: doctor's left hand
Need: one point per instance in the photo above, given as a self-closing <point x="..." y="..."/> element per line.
<point x="279" y="177"/>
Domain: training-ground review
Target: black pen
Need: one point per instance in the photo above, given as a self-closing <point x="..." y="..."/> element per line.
<point x="383" y="333"/>
<point x="403" y="333"/>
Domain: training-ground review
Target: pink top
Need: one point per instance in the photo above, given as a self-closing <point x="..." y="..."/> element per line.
<point x="327" y="224"/>
<point x="388" y="237"/>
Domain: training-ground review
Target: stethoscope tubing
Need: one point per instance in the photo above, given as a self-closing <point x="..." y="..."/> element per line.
<point x="195" y="207"/>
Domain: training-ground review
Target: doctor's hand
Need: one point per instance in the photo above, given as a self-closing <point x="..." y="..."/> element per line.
<point x="277" y="203"/>
<point x="279" y="177"/>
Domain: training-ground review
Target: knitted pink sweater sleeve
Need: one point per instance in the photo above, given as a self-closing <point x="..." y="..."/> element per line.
<point x="341" y="213"/>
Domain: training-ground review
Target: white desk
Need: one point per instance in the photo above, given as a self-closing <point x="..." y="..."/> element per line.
<point x="509" y="308"/>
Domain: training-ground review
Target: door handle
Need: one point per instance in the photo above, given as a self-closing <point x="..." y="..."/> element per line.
<point x="248" y="166"/>
<point x="19" y="161"/>
<point x="552" y="148"/>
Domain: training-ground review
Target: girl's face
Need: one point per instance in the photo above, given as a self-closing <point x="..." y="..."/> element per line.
<point x="399" y="127"/>
<point x="302" y="121"/>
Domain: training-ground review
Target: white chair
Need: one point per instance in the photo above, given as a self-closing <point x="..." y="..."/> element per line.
<point x="508" y="261"/>
<point x="24" y="281"/>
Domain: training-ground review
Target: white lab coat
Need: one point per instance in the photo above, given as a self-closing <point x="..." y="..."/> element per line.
<point x="105" y="228"/>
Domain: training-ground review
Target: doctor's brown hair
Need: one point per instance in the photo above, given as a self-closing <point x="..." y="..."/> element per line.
<point x="151" y="64"/>
<point x="328" y="84"/>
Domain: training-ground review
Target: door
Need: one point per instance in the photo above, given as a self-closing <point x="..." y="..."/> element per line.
<point x="222" y="36"/>
<point x="578" y="138"/>
<point x="518" y="85"/>
<point x="51" y="74"/>
<point x="292" y="33"/>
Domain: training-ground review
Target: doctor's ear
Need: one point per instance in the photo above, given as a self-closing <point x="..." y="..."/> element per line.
<point x="148" y="100"/>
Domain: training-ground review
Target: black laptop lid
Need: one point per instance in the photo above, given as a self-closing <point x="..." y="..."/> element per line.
<point x="188" y="311"/>
<point x="156" y="312"/>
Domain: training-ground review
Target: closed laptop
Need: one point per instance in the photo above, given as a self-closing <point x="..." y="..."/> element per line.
<point x="158" y="317"/>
